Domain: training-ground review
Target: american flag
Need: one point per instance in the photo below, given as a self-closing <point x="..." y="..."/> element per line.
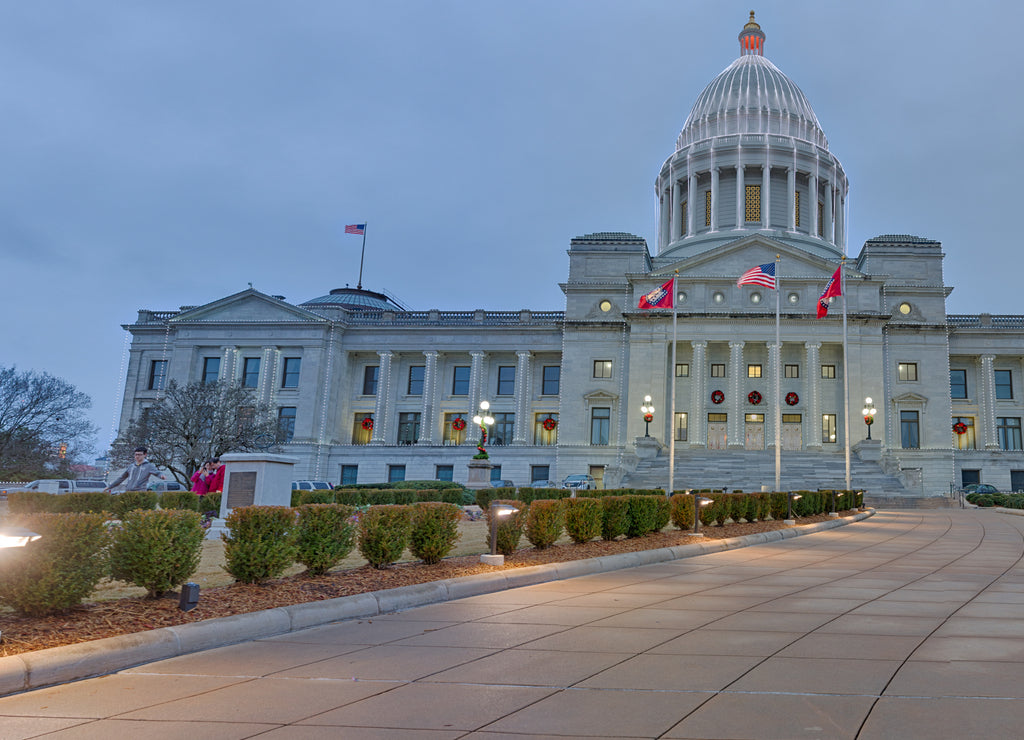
<point x="760" y="275"/>
<point x="355" y="229"/>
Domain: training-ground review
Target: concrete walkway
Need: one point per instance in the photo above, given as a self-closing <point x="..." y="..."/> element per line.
<point x="906" y="625"/>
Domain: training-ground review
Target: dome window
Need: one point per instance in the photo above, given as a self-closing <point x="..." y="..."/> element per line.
<point x="605" y="306"/>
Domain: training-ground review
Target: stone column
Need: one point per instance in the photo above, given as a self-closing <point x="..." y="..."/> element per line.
<point x="268" y="371"/>
<point x="228" y="364"/>
<point x="714" y="199"/>
<point x="477" y="382"/>
<point x="429" y="423"/>
<point x="522" y="398"/>
<point x="740" y="199"/>
<point x="691" y="212"/>
<point x="987" y="402"/>
<point x="735" y="397"/>
<point x="812" y="426"/>
<point x="382" y="409"/>
<point x="697" y="421"/>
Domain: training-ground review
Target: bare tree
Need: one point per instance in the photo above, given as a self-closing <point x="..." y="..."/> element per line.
<point x="42" y="424"/>
<point x="195" y="422"/>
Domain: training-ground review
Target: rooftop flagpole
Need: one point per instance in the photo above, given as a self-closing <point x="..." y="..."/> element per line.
<point x="362" y="254"/>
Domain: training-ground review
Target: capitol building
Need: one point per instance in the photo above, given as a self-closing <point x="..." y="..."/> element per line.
<point x="368" y="391"/>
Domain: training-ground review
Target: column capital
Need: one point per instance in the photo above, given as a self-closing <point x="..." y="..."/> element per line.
<point x="736" y="345"/>
<point x="698" y="344"/>
<point x="812" y="345"/>
<point x="385" y="353"/>
<point x="431" y="353"/>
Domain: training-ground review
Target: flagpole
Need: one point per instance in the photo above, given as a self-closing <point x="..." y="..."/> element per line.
<point x="846" y="372"/>
<point x="672" y="402"/>
<point x="778" y="382"/>
<point x="359" y="285"/>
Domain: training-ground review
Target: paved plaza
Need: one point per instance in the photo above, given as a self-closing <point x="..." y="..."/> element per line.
<point x="905" y="625"/>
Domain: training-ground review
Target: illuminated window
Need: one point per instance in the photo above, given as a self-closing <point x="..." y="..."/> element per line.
<point x="796" y="208"/>
<point x="965" y="441"/>
<point x="541" y="434"/>
<point x="453" y="436"/>
<point x="718" y="370"/>
<point x="907" y="371"/>
<point x="362" y="430"/>
<point x="681" y="426"/>
<point x="602" y="368"/>
<point x="753" y="371"/>
<point x="753" y="203"/>
<point x="828" y="428"/>
<point x="707" y="207"/>
<point x="682" y="370"/>
<point x="792" y="371"/>
<point x="828" y="372"/>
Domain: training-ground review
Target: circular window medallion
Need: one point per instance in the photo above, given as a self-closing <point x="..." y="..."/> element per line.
<point x="718" y="297"/>
<point x="905" y="308"/>
<point x="793" y="298"/>
<point x="605" y="306"/>
<point x="755" y="297"/>
<point x="681" y="297"/>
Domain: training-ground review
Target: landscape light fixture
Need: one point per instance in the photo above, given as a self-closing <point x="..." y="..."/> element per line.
<point x="496" y="511"/>
<point x="189" y="599"/>
<point x="17" y="536"/>
<point x="483" y="419"/>
<point x="790" y="498"/>
<point x="698" y="502"/>
<point x="647" y="409"/>
<point x="869" y="412"/>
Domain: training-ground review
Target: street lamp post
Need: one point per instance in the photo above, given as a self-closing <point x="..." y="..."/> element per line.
<point x="647" y="409"/>
<point x="869" y="412"/>
<point x="483" y="419"/>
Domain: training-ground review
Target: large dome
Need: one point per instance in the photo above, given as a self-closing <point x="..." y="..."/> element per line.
<point x="751" y="96"/>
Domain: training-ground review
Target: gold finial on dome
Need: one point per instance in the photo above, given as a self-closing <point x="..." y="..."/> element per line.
<point x="751" y="23"/>
<point x="751" y="38"/>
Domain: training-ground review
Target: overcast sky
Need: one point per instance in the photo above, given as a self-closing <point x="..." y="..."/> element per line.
<point x="160" y="154"/>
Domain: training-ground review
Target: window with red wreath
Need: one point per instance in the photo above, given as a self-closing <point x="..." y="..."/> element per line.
<point x="545" y="428"/>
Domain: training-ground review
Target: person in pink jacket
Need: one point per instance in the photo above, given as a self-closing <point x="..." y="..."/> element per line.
<point x="200" y="483"/>
<point x="215" y="480"/>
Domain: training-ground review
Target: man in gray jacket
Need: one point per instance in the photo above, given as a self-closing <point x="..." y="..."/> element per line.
<point x="137" y="474"/>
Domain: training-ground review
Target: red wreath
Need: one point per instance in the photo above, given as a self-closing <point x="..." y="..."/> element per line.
<point x="754" y="397"/>
<point x="792" y="399"/>
<point x="960" y="428"/>
<point x="367" y="423"/>
<point x="869" y="420"/>
<point x="549" y="424"/>
<point x="459" y="424"/>
<point x="717" y="396"/>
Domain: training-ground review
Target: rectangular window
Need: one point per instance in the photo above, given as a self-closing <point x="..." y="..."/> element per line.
<point x="753" y="418"/>
<point x="370" y="380"/>
<point x="821" y="218"/>
<point x="796" y="208"/>
<point x="349" y="475"/>
<point x="682" y="370"/>
<point x="545" y="429"/>
<point x="682" y="422"/>
<point x="506" y="380"/>
<point x="250" y="372"/>
<point x="792" y="418"/>
<point x="1004" y="384"/>
<point x="452" y="434"/>
<point x="362" y="429"/>
<point x="792" y="371"/>
<point x="684" y="215"/>
<point x="416" y="373"/>
<point x="602" y="368"/>
<point x="290" y="376"/>
<point x="958" y="383"/>
<point x="707" y="207"/>
<point x="286" y="423"/>
<point x="600" y="426"/>
<point x="718" y="370"/>
<point x="828" y="429"/>
<point x="828" y="372"/>
<point x="550" y="377"/>
<point x="211" y="369"/>
<point x="752" y="211"/>
<point x="157" y="375"/>
<point x="1008" y="432"/>
<point x="910" y="436"/>
<point x="539" y="473"/>
<point x="408" y="428"/>
<point x="753" y="371"/>
<point x="907" y="371"/>
<point x="444" y="472"/>
<point x="396" y="473"/>
<point x="460" y="381"/>
<point x="501" y="432"/>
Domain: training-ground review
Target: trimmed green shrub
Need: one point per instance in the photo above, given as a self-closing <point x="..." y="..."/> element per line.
<point x="96" y="502"/>
<point x="615" y="519"/>
<point x="260" y="542"/>
<point x="187" y="500"/>
<point x="643" y="515"/>
<point x="156" y="550"/>
<point x="583" y="517"/>
<point x="384" y="534"/>
<point x="58" y="570"/>
<point x="122" y="503"/>
<point x="29" y="502"/>
<point x="662" y="513"/>
<point x="510" y="528"/>
<point x="210" y="503"/>
<point x="318" y="496"/>
<point x="545" y="519"/>
<point x="435" y="530"/>
<point x="778" y="504"/>
<point x="681" y="508"/>
<point x="324" y="536"/>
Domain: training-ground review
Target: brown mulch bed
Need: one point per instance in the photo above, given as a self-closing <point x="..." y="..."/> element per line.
<point x="123" y="616"/>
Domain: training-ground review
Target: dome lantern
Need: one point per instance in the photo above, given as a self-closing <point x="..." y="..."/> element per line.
<point x="751" y="38"/>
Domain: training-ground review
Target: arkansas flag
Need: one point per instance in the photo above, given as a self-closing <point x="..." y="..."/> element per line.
<point x="659" y="297"/>
<point x="832" y="290"/>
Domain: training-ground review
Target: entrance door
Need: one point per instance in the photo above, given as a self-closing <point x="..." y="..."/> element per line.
<point x="716" y="435"/>
<point x="597" y="473"/>
<point x="792" y="436"/>
<point x="754" y="436"/>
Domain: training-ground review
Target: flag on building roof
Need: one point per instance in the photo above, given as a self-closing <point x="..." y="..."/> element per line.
<point x="832" y="290"/>
<point x="760" y="275"/>
<point x="659" y="297"/>
<point x="355" y="229"/>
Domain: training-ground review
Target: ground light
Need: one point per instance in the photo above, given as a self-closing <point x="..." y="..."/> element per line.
<point x="833" y="514"/>
<point x="497" y="511"/>
<point x="189" y="597"/>
<point x="698" y="501"/>
<point x="17" y="536"/>
<point x="790" y="498"/>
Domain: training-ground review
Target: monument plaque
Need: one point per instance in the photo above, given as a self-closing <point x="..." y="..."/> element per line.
<point x="242" y="489"/>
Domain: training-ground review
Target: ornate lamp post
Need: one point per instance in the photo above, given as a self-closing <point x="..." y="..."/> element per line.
<point x="869" y="412"/>
<point x="647" y="409"/>
<point x="483" y="419"/>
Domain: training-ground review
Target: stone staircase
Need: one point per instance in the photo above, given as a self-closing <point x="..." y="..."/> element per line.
<point x="748" y="470"/>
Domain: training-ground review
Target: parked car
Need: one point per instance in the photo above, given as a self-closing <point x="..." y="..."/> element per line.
<point x="502" y="484"/>
<point x="311" y="485"/>
<point x="166" y="485"/>
<point x="63" y="485"/>
<point x="542" y="484"/>
<point x="579" y="482"/>
<point x="980" y="488"/>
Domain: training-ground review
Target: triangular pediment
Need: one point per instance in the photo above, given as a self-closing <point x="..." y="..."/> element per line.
<point x="598" y="397"/>
<point x="248" y="305"/>
<point x="910" y="399"/>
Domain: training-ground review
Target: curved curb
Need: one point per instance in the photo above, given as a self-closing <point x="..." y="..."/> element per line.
<point x="1004" y="510"/>
<point x="57" y="665"/>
